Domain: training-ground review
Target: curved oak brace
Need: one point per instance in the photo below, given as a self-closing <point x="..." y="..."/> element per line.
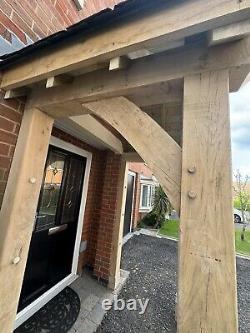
<point x="161" y="153"/>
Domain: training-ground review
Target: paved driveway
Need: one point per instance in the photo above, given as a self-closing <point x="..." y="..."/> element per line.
<point x="152" y="263"/>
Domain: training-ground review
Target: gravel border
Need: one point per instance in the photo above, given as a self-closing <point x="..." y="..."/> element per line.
<point x="152" y="264"/>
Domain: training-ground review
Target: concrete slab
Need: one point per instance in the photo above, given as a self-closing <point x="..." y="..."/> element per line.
<point x="92" y="294"/>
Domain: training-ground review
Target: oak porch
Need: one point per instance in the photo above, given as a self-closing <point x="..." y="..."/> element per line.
<point x="133" y="96"/>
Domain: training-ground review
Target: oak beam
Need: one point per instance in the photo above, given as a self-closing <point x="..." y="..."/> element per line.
<point x="161" y="23"/>
<point x="55" y="81"/>
<point x="161" y="93"/>
<point x="18" y="209"/>
<point x="14" y="93"/>
<point x="101" y="133"/>
<point x="161" y="153"/>
<point x="156" y="48"/>
<point x="144" y="73"/>
<point x="238" y="77"/>
<point x="207" y="272"/>
<point x="132" y="156"/>
<point x="229" y="32"/>
<point x="118" y="63"/>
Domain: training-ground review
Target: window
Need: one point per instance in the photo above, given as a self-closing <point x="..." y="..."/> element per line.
<point x="147" y="196"/>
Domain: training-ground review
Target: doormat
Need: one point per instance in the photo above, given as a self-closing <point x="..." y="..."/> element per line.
<point x="57" y="316"/>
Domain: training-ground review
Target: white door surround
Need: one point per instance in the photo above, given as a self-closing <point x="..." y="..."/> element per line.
<point x="27" y="312"/>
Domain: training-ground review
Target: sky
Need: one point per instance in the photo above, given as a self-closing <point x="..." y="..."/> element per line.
<point x="240" y="129"/>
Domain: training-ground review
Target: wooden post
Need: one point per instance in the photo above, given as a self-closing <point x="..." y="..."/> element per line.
<point x="17" y="215"/>
<point x="118" y="228"/>
<point x="207" y="274"/>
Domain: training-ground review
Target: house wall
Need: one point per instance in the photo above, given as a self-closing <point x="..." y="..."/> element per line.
<point x="21" y="23"/>
<point x="100" y="208"/>
<point x="10" y="120"/>
<point x="139" y="169"/>
<point x="107" y="216"/>
<point x="26" y="21"/>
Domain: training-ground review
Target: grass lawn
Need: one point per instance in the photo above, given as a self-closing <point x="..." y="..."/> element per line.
<point x="171" y="228"/>
<point x="242" y="247"/>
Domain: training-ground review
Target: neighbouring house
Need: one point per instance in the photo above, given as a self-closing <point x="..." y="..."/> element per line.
<point x="141" y="186"/>
<point x="134" y="83"/>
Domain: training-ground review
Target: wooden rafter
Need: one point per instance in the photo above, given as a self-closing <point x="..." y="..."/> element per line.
<point x="145" y="72"/>
<point x="118" y="63"/>
<point x="229" y="32"/>
<point x="14" y="93"/>
<point x="101" y="133"/>
<point x="55" y="81"/>
<point x="161" y="153"/>
<point x="161" y="23"/>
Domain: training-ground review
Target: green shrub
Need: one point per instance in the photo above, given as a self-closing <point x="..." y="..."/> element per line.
<point x="151" y="220"/>
<point x="148" y="220"/>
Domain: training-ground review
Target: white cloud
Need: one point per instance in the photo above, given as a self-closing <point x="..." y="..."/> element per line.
<point x="240" y="129"/>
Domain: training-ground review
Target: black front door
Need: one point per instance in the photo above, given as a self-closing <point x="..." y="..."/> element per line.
<point x="52" y="244"/>
<point x="129" y="205"/>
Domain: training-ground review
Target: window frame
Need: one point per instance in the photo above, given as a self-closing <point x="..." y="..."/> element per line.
<point x="150" y="193"/>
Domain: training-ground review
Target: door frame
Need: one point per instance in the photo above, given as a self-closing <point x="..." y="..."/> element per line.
<point x="27" y="312"/>
<point x="133" y="174"/>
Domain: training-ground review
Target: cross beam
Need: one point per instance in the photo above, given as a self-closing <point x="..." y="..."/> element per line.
<point x="143" y="73"/>
<point x="160" y="24"/>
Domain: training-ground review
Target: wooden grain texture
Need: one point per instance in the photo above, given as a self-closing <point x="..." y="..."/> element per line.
<point x="19" y="92"/>
<point x="142" y="73"/>
<point x="132" y="156"/>
<point x="92" y="126"/>
<point x="55" y="81"/>
<point x="17" y="215"/>
<point x="229" y="32"/>
<point x="161" y="153"/>
<point x="117" y="236"/>
<point x="207" y="274"/>
<point x="118" y="63"/>
<point x="138" y="31"/>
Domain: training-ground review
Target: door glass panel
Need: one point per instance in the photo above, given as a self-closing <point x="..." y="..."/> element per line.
<point x="50" y="192"/>
<point x="71" y="194"/>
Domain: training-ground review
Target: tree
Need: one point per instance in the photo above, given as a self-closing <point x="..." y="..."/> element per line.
<point x="161" y="206"/>
<point x="242" y="199"/>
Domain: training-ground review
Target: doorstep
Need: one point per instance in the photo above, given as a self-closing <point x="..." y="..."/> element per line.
<point x="91" y="294"/>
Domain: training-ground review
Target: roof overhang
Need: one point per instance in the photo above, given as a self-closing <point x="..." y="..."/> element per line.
<point x="130" y="27"/>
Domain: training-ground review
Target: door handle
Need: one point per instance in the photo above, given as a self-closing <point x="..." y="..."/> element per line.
<point x="55" y="230"/>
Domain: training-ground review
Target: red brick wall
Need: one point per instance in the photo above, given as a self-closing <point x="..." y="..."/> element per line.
<point x="108" y="216"/>
<point x="100" y="208"/>
<point x="36" y="19"/>
<point x="10" y="119"/>
<point x="139" y="169"/>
